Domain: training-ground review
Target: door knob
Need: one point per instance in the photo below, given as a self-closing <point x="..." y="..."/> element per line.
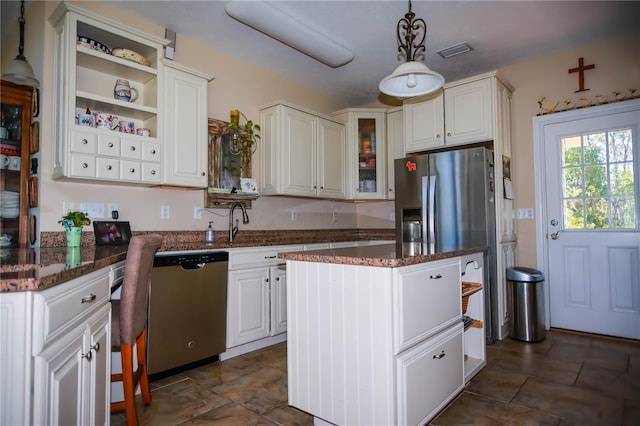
<point x="554" y="236"/>
<point x="554" y="222"/>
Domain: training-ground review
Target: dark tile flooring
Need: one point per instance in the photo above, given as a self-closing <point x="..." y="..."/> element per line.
<point x="567" y="379"/>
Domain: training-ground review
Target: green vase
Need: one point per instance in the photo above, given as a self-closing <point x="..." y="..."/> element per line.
<point x="73" y="257"/>
<point x="74" y="236"/>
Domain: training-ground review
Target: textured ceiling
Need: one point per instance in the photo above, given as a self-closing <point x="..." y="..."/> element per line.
<point x="500" y="32"/>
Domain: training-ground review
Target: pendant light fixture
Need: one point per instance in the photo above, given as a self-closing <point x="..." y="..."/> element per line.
<point x="411" y="78"/>
<point x="19" y="70"/>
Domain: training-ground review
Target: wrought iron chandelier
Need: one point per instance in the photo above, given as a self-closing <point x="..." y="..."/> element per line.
<point x="19" y="70"/>
<point x="411" y="78"/>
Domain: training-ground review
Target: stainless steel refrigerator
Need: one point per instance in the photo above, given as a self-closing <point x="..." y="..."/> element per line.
<point x="445" y="202"/>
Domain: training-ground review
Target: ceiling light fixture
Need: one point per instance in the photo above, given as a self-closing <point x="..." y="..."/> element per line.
<point x="411" y="78"/>
<point x="268" y="19"/>
<point x="19" y="70"/>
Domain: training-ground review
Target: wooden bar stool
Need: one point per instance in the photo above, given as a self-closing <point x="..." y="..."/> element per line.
<point x="129" y="323"/>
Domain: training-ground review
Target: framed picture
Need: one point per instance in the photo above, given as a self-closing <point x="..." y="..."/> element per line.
<point x="33" y="191"/>
<point x="34" y="145"/>
<point x="111" y="233"/>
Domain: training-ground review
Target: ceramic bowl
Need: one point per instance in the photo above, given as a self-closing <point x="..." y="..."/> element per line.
<point x="129" y="55"/>
<point x="93" y="44"/>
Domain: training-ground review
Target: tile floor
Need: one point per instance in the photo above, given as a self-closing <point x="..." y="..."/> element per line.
<point x="567" y="379"/>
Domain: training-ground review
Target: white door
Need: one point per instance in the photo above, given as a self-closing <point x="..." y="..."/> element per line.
<point x="593" y="243"/>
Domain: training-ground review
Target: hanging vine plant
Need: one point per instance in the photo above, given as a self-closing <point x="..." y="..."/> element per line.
<point x="245" y="139"/>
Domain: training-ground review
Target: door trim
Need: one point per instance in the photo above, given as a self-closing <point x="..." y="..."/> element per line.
<point x="539" y="124"/>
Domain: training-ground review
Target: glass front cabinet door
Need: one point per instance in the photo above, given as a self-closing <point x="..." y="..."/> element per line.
<point x="366" y="152"/>
<point x="15" y="131"/>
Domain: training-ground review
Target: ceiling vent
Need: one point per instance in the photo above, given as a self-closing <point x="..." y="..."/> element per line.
<point x="457" y="49"/>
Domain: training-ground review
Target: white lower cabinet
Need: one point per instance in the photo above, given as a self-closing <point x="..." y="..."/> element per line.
<point x="70" y="384"/>
<point x="374" y="345"/>
<point x="55" y="349"/>
<point x="257" y="294"/>
<point x="429" y="376"/>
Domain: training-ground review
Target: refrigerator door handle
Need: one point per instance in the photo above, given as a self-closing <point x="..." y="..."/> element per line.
<point x="431" y="236"/>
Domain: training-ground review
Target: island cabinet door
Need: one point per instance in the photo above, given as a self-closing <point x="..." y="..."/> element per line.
<point x="429" y="376"/>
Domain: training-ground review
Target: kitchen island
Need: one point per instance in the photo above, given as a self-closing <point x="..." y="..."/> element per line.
<point x="378" y="339"/>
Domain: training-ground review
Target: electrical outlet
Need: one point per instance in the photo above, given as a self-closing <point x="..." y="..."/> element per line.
<point x="392" y="216"/>
<point x="294" y="215"/>
<point x="197" y="213"/>
<point x="334" y="217"/>
<point x="526" y="213"/>
<point x="93" y="210"/>
<point x="165" y="212"/>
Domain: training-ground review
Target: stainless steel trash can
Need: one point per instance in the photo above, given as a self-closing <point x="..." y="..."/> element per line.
<point x="526" y="304"/>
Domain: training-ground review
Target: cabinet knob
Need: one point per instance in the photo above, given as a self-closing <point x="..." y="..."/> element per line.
<point x="87" y="356"/>
<point x="202" y="174"/>
<point x="277" y="278"/>
<point x="438" y="136"/>
<point x="110" y="144"/>
<point x="109" y="167"/>
<point x="390" y="189"/>
<point x="132" y="170"/>
<point x="85" y="165"/>
<point x="132" y="148"/>
<point x="266" y="280"/>
<point x="153" y="172"/>
<point x="96" y="347"/>
<point x="448" y="133"/>
<point x="84" y="141"/>
<point x="435" y="277"/>
<point x="153" y="151"/>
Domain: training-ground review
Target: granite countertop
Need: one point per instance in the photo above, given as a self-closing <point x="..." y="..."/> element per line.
<point x="383" y="255"/>
<point x="36" y="269"/>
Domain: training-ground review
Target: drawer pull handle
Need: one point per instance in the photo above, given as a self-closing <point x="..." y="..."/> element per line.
<point x="84" y="141"/>
<point x="88" y="299"/>
<point x="88" y="356"/>
<point x="96" y="347"/>
<point x="110" y="144"/>
<point x="435" y="277"/>
<point x="271" y="257"/>
<point x="440" y="355"/>
<point x="85" y="165"/>
<point x="132" y="148"/>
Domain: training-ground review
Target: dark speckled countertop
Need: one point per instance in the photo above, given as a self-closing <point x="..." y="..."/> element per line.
<point x="53" y="263"/>
<point x="383" y="255"/>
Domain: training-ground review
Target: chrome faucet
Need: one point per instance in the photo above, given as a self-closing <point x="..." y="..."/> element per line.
<point x="233" y="230"/>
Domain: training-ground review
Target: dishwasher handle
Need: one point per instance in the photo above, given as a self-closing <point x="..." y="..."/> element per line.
<point x="190" y="266"/>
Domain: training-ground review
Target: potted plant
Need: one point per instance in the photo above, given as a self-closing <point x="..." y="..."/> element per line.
<point x="73" y="222"/>
<point x="245" y="139"/>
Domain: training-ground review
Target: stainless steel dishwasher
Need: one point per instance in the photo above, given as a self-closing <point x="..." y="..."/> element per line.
<point x="187" y="311"/>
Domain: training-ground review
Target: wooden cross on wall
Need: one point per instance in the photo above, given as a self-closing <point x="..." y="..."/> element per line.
<point x="580" y="70"/>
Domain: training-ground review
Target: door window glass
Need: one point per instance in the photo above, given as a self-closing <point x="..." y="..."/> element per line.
<point x="599" y="184"/>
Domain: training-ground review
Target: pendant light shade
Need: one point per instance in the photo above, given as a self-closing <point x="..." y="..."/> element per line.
<point x="19" y="70"/>
<point x="411" y="78"/>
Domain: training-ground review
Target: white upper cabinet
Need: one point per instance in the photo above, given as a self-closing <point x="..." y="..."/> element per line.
<point x="423" y="123"/>
<point x="301" y="154"/>
<point x="85" y="77"/>
<point x="468" y="112"/>
<point x="185" y="126"/>
<point x="167" y="99"/>
<point x="395" y="146"/>
<point x="366" y="152"/>
<point x="464" y="112"/>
